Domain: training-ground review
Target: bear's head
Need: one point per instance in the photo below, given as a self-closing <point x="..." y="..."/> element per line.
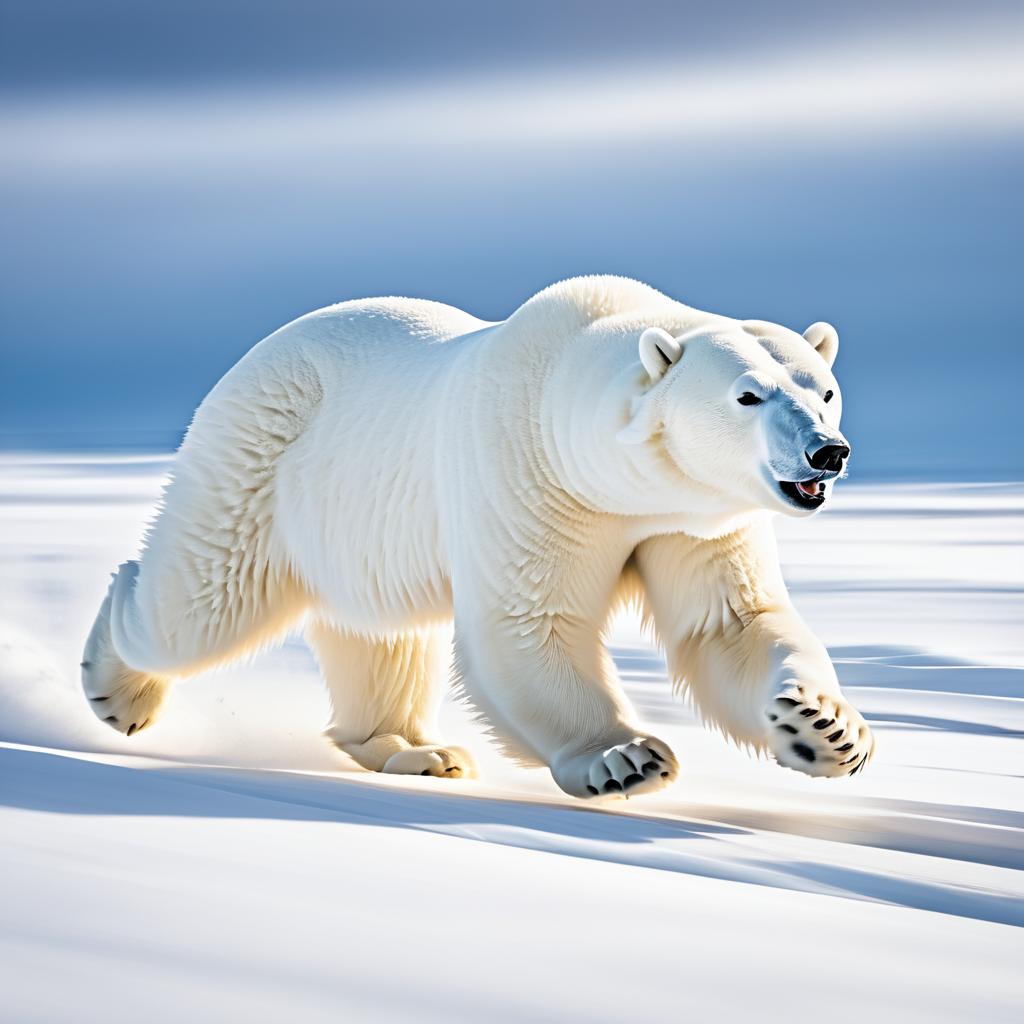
<point x="750" y="409"/>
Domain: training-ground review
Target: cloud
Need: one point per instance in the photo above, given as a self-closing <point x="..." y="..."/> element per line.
<point x="973" y="85"/>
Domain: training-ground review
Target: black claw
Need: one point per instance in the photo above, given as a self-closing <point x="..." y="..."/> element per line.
<point x="632" y="780"/>
<point x="788" y="728"/>
<point x="844" y="748"/>
<point x="612" y="786"/>
<point x="804" y="751"/>
<point x="99" y="700"/>
<point x="111" y="718"/>
<point x="787" y="700"/>
<point x="454" y="768"/>
<point x="664" y="775"/>
<point x="426" y="771"/>
<point x="809" y="712"/>
<point x="85" y="664"/>
<point x="849" y="760"/>
<point x="834" y="736"/>
<point x="824" y="723"/>
<point x="132" y="728"/>
<point x="592" y="790"/>
<point x="656" y="755"/>
<point x="773" y="718"/>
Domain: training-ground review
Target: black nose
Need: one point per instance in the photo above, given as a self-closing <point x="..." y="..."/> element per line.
<point x="829" y="457"/>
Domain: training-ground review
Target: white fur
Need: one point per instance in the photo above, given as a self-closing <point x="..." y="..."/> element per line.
<point x="380" y="466"/>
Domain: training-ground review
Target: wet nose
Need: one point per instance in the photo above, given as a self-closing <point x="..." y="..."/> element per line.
<point x="829" y="457"/>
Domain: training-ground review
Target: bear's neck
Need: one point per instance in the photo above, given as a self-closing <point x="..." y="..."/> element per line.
<point x="587" y="404"/>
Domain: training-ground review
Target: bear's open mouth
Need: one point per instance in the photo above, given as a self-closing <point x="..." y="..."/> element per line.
<point x="807" y="494"/>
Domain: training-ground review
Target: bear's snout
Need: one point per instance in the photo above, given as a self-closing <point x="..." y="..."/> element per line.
<point x="829" y="457"/>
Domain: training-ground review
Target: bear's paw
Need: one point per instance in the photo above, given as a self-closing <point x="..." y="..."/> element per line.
<point x="642" y="765"/>
<point x="440" y="762"/>
<point x="818" y="734"/>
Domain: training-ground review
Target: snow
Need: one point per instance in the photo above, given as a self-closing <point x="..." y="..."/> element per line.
<point x="229" y="864"/>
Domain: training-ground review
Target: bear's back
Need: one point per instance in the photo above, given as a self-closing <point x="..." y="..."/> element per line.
<point x="361" y="325"/>
<point x="578" y="302"/>
<point x="366" y="331"/>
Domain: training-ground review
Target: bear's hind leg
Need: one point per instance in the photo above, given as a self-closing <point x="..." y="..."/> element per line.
<point x="384" y="698"/>
<point x="123" y="697"/>
<point x="131" y="659"/>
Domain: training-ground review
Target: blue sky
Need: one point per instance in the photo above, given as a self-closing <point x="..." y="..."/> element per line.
<point x="177" y="182"/>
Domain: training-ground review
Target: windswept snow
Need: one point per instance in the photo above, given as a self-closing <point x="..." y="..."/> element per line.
<point x="227" y="863"/>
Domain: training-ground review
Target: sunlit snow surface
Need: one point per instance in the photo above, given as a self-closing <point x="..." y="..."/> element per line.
<point x="227" y="864"/>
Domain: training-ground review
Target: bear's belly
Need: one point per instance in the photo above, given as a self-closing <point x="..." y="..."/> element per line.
<point x="365" y="597"/>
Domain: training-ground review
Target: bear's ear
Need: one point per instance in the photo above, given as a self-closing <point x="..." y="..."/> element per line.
<point x="824" y="340"/>
<point x="658" y="352"/>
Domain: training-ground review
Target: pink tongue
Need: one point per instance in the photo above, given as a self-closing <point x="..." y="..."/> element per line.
<point x="810" y="489"/>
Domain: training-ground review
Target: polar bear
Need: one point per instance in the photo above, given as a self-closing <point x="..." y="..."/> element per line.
<point x="379" y="467"/>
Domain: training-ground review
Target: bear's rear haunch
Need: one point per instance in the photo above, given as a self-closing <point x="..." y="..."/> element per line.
<point x="379" y="467"/>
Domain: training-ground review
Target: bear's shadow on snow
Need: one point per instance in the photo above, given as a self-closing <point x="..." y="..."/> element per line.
<point x="55" y="783"/>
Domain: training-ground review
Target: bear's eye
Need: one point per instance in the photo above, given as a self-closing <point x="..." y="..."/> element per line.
<point x="828" y="396"/>
<point x="749" y="398"/>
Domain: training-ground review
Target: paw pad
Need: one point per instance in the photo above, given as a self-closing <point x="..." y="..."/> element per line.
<point x="641" y="766"/>
<point x="819" y="735"/>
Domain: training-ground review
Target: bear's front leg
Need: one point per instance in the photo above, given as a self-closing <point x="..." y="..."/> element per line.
<point x="805" y="721"/>
<point x="545" y="708"/>
<point x="749" y="662"/>
<point x="549" y="692"/>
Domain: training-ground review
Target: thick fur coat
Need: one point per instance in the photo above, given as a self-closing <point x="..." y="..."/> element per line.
<point x="379" y="467"/>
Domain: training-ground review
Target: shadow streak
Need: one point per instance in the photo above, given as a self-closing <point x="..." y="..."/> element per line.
<point x="724" y="849"/>
<point x="907" y="668"/>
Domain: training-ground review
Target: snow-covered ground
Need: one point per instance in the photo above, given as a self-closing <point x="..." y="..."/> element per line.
<point x="227" y="864"/>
